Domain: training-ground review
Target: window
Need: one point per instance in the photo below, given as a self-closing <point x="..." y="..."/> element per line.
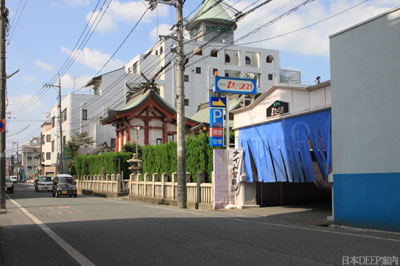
<point x="48" y="156"/>
<point x="227" y="75"/>
<point x="214" y="53"/>
<point x="186" y="78"/>
<point x="43" y="156"/>
<point x="84" y="114"/>
<point x="43" y="139"/>
<point x="29" y="167"/>
<point x="198" y="70"/>
<point x="156" y="52"/>
<point x="248" y="60"/>
<point x="270" y="76"/>
<point x="215" y="71"/>
<point x="64" y="140"/>
<point x="197" y="51"/>
<point x="48" y="138"/>
<point x="170" y="137"/>
<point x="29" y="158"/>
<point x="158" y="141"/>
<point x="270" y="59"/>
<point x="64" y="115"/>
<point x="161" y="50"/>
<point x="52" y="146"/>
<point x="53" y="121"/>
<point x="186" y="102"/>
<point x="134" y="68"/>
<point x="227" y="59"/>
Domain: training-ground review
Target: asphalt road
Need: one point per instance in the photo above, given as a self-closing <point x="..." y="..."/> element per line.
<point x="41" y="230"/>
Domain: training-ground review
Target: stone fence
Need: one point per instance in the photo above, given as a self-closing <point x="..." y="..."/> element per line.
<point x="148" y="188"/>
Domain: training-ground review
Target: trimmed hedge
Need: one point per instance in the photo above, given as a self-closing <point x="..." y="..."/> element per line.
<point x="162" y="158"/>
<point x="106" y="163"/>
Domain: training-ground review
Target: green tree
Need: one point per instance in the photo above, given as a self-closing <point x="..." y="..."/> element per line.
<point x="72" y="147"/>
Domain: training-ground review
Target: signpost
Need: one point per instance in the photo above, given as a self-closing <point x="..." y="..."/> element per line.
<point x="235" y="85"/>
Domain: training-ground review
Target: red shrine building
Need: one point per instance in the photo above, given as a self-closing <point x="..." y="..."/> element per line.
<point x="146" y="119"/>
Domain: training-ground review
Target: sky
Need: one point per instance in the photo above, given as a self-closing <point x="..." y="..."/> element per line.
<point x="42" y="37"/>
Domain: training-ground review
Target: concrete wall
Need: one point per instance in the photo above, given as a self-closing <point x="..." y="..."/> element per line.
<point x="365" y="120"/>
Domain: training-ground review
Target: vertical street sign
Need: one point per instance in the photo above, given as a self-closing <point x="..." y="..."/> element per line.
<point x="216" y="126"/>
<point x="218" y="102"/>
<point x="216" y="117"/>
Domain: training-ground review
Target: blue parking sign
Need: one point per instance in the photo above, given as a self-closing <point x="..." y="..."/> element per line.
<point x="216" y="141"/>
<point x="216" y="117"/>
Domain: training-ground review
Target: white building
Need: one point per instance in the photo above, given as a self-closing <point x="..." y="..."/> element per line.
<point x="365" y="67"/>
<point x="285" y="137"/>
<point x="210" y="50"/>
<point x="31" y="157"/>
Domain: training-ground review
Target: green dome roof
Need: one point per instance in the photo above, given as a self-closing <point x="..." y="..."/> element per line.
<point x="213" y="13"/>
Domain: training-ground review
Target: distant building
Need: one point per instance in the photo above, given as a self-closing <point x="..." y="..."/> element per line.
<point x="365" y="67"/>
<point x="31" y="154"/>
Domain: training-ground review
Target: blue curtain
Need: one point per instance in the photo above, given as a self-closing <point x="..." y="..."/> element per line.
<point x="280" y="151"/>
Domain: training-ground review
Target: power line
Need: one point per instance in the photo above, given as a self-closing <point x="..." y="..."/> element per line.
<point x="308" y="26"/>
<point x="16" y="23"/>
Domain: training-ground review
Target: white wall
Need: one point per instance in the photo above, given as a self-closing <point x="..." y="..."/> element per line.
<point x="300" y="99"/>
<point x="365" y="72"/>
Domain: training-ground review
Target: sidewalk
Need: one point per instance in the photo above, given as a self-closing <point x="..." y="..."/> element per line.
<point x="309" y="214"/>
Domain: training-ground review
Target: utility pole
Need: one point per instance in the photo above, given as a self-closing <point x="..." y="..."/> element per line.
<point x="180" y="97"/>
<point x="60" y="166"/>
<point x="3" y="78"/>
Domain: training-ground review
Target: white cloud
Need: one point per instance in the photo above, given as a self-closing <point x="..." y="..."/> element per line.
<point x="29" y="78"/>
<point x="163" y="29"/>
<point x="77" y="2"/>
<point x="25" y="102"/>
<point x="127" y="12"/>
<point x="44" y="66"/>
<point x="313" y="40"/>
<point x="94" y="59"/>
<point x="74" y="83"/>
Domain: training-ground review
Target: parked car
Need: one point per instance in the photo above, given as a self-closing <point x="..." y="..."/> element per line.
<point x="64" y="185"/>
<point x="43" y="182"/>
<point x="9" y="185"/>
<point x="14" y="178"/>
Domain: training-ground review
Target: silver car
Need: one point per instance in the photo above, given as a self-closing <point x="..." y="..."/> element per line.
<point x="43" y="183"/>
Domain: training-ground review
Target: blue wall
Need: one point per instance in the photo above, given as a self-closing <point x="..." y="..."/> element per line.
<point x="367" y="200"/>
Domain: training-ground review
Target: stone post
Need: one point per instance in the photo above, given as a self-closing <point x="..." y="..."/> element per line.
<point x="199" y="181"/>
<point x="153" y="187"/>
<point x="146" y="178"/>
<point x="164" y="177"/>
<point x="173" y="185"/>
<point x="138" y="177"/>
<point x="188" y="177"/>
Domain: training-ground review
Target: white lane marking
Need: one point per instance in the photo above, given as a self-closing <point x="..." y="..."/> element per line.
<point x="82" y="260"/>
<point x="262" y="223"/>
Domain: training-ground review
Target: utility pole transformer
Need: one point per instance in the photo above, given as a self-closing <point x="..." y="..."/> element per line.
<point x="3" y="77"/>
<point x="180" y="99"/>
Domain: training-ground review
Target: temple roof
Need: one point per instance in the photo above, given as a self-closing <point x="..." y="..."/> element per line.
<point x="210" y="11"/>
<point x="137" y="101"/>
